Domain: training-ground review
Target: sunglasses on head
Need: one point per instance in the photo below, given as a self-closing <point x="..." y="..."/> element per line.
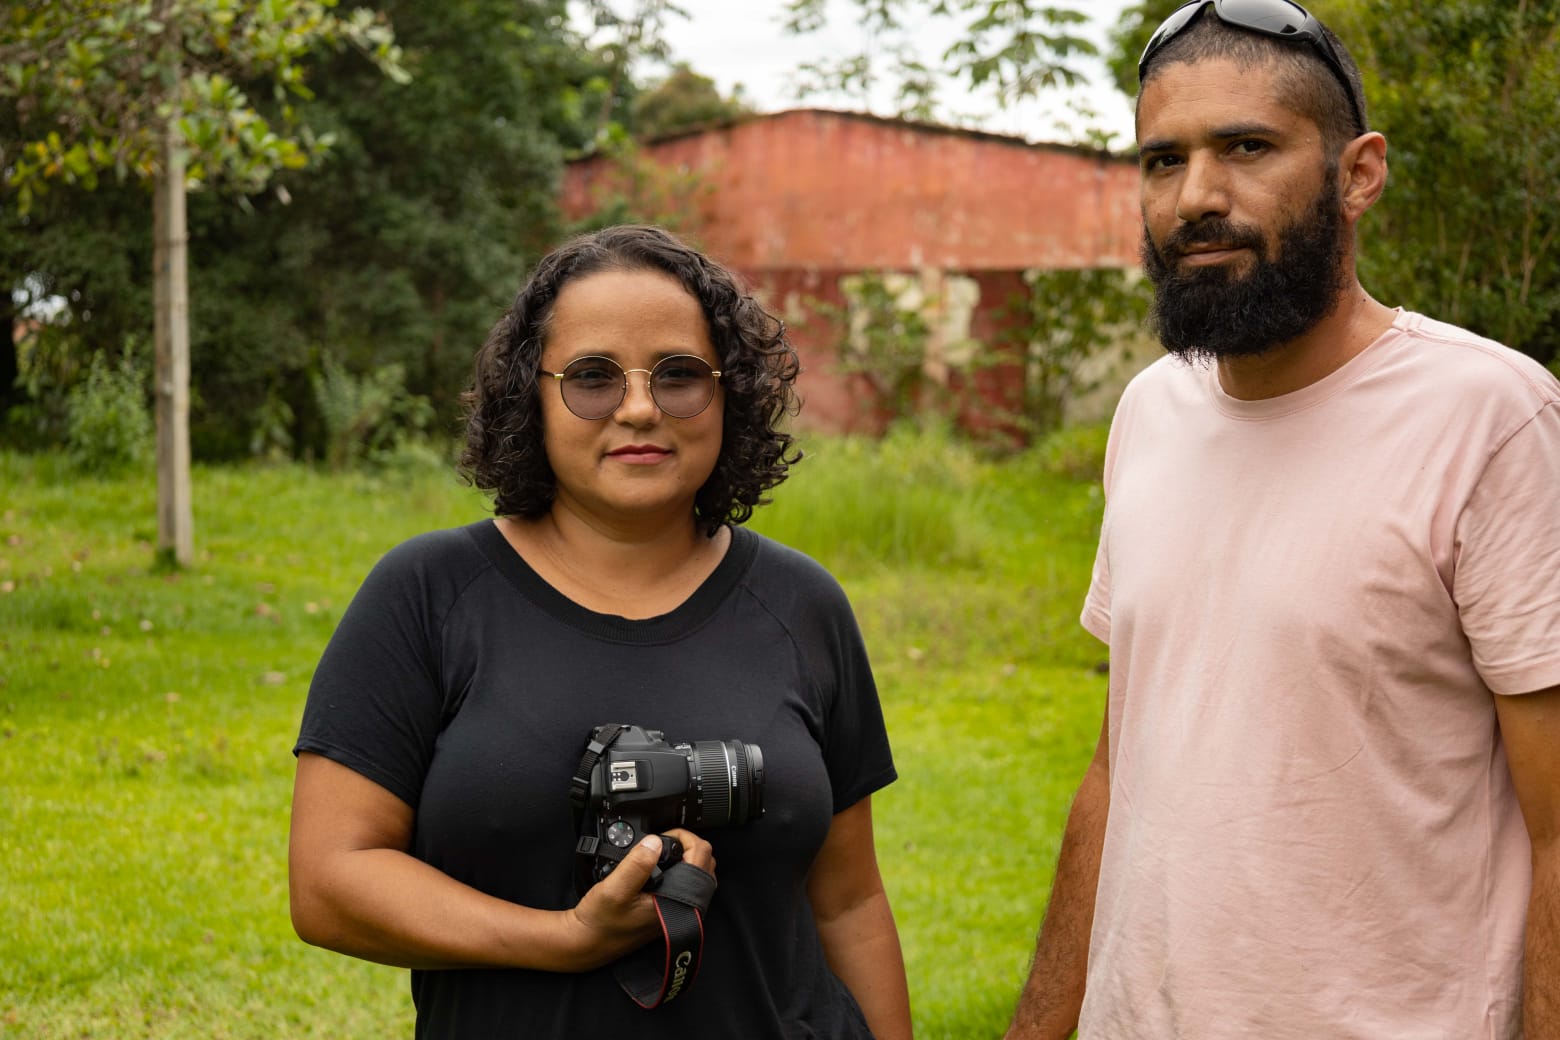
<point x="1280" y="18"/>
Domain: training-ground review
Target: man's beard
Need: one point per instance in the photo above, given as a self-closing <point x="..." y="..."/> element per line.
<point x="1210" y="312"/>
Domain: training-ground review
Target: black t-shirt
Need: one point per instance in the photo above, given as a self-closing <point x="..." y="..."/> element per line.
<point x="467" y="686"/>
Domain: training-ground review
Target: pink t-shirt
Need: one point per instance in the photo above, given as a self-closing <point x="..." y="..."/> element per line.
<point x="1309" y="601"/>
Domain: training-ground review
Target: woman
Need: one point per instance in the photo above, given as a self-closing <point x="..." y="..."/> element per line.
<point x="624" y="415"/>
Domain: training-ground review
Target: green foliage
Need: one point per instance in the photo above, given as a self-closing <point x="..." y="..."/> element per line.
<point x="1469" y="230"/>
<point x="91" y="254"/>
<point x="47" y="371"/>
<point x="682" y="100"/>
<point x="1059" y="330"/>
<point x="1073" y="452"/>
<point x="1013" y="49"/>
<point x="95" y="84"/>
<point x="402" y="245"/>
<point x="909" y="499"/>
<point x="145" y="722"/>
<point x="639" y="190"/>
<point x="1067" y="318"/>
<point x="108" y="425"/>
<point x="1130" y="36"/>
<point x="885" y="342"/>
<point x="367" y="418"/>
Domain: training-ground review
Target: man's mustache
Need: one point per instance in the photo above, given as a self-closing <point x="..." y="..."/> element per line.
<point x="1211" y="231"/>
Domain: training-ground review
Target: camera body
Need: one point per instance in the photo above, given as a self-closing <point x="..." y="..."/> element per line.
<point x="632" y="782"/>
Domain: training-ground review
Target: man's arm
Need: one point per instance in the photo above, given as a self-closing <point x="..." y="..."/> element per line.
<point x="1530" y="729"/>
<point x="1049" y="1005"/>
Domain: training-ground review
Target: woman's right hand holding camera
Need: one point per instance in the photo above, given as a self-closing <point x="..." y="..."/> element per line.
<point x="617" y="916"/>
<point x="356" y="889"/>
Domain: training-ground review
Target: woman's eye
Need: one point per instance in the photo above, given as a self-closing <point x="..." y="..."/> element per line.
<point x="679" y="373"/>
<point x="595" y="375"/>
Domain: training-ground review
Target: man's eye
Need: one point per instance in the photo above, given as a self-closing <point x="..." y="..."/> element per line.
<point x="1248" y="147"/>
<point x="1158" y="162"/>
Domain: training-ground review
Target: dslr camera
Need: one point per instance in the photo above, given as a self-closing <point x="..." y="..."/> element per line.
<point x="632" y="782"/>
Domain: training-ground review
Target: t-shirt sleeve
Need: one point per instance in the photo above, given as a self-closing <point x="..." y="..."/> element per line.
<point x="855" y="739"/>
<point x="1096" y="604"/>
<point x="1507" y="576"/>
<point x="376" y="704"/>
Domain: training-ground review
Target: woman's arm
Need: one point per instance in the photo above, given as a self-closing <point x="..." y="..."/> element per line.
<point x="356" y="889"/>
<point x="856" y="924"/>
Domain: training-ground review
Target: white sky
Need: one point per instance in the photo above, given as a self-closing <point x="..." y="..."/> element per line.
<point x="741" y="42"/>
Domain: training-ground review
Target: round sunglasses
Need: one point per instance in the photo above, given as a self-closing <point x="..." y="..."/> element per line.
<point x="681" y="386"/>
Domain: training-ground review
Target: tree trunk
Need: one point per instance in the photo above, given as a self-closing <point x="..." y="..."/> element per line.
<point x="9" y="367"/>
<point x="171" y="336"/>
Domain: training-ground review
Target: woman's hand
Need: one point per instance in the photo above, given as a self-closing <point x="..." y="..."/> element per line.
<point x="356" y="889"/>
<point x="617" y="916"/>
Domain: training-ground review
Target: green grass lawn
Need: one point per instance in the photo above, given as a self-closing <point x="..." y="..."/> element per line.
<point x="146" y="722"/>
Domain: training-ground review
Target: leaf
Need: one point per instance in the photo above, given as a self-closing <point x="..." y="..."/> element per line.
<point x="77" y="161"/>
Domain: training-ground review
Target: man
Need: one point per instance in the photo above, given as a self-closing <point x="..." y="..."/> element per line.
<point x="1326" y="797"/>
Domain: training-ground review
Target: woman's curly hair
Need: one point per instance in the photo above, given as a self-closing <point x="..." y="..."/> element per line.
<point x="504" y="453"/>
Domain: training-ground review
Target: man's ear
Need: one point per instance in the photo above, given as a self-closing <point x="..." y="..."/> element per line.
<point x="1362" y="174"/>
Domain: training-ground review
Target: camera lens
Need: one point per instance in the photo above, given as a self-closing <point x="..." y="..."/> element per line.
<point x="726" y="782"/>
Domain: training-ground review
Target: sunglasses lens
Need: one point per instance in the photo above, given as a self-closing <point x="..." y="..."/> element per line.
<point x="592" y="387"/>
<point x="1277" y="17"/>
<point x="1168" y="28"/>
<point x="682" y="386"/>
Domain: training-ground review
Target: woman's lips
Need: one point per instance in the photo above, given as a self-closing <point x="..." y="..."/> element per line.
<point x="639" y="454"/>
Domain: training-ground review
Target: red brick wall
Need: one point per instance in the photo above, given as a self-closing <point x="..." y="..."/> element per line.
<point x="815" y="189"/>
<point x="839" y="402"/>
<point x="798" y="200"/>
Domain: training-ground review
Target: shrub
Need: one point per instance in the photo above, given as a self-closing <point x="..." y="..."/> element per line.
<point x="1074" y="452"/>
<point x="367" y="418"/>
<point x="108" y="427"/>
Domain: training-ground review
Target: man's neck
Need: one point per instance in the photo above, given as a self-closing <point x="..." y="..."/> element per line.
<point x="1354" y="324"/>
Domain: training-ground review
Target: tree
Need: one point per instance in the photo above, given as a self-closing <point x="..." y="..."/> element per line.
<point x="681" y="100"/>
<point x="1130" y="36"/>
<point x="149" y="90"/>
<point x="407" y="241"/>
<point x="1469" y="230"/>
<point x="1014" y="49"/>
<point x="620" y="40"/>
<point x="398" y="247"/>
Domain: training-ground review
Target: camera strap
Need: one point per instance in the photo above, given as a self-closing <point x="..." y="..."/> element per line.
<point x="579" y="784"/>
<point x="658" y="972"/>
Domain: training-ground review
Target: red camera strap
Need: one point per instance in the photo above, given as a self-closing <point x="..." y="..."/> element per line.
<point x="658" y="972"/>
